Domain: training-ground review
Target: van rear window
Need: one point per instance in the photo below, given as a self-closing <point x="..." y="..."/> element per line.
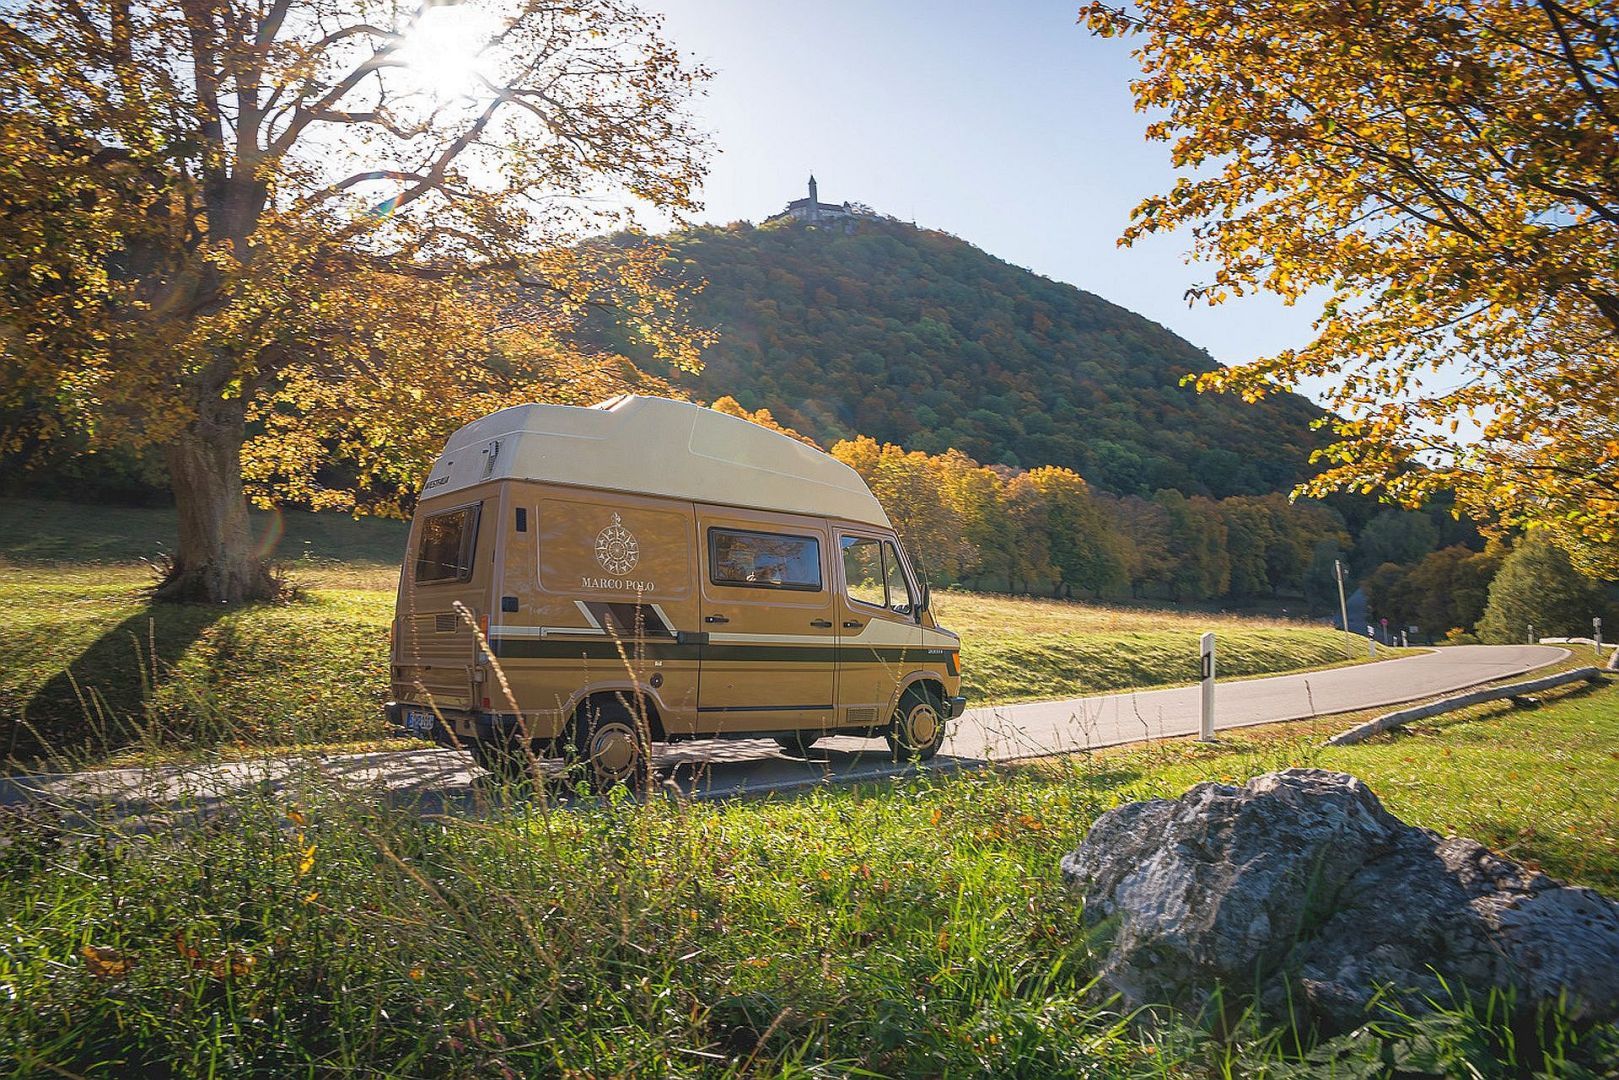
<point x="448" y="542"/>
<point x="764" y="560"/>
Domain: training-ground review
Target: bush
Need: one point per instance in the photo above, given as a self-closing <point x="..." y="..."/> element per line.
<point x="1538" y="586"/>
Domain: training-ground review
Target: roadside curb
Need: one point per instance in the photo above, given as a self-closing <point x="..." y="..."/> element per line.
<point x="1389" y="721"/>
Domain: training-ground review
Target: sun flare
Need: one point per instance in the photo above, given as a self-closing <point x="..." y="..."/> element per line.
<point x="446" y="54"/>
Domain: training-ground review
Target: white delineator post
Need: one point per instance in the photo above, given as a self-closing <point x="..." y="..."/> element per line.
<point x="1596" y="638"/>
<point x="1206" y="651"/>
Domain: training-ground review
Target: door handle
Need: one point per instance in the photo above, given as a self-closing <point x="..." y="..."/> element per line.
<point x="715" y="618"/>
<point x="852" y="624"/>
<point x="824" y="624"/>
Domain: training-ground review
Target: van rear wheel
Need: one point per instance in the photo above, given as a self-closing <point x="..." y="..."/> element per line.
<point x="610" y="744"/>
<point x="917" y="729"/>
<point x="796" y="743"/>
<point x="507" y="760"/>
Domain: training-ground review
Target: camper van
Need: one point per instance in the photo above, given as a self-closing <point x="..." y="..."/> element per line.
<point x="588" y="581"/>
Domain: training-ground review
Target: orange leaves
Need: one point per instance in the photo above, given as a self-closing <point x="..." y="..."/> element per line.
<point x="230" y="963"/>
<point x="105" y="962"/>
<point x="155" y="272"/>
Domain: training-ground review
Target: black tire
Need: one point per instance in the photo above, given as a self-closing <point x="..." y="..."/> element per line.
<point x="796" y="743"/>
<point x="610" y="744"/>
<point x="916" y="730"/>
<point x="508" y="761"/>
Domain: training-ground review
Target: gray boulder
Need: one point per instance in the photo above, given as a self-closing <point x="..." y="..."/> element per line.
<point x="1299" y="890"/>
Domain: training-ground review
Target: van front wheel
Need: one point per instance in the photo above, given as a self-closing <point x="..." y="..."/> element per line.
<point x="917" y="729"/>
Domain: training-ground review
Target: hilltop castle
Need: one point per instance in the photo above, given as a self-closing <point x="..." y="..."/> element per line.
<point x="815" y="212"/>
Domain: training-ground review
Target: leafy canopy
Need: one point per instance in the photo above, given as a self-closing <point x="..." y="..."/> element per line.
<point x="1446" y="176"/>
<point x="326" y="230"/>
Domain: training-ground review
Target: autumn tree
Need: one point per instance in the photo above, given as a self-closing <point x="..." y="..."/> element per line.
<point x="1250" y="536"/>
<point x="1142" y="529"/>
<point x="1451" y="586"/>
<point x="267" y="234"/>
<point x="731" y="407"/>
<point x="1082" y="548"/>
<point x="910" y="485"/>
<point x="975" y="497"/>
<point x="1445" y="178"/>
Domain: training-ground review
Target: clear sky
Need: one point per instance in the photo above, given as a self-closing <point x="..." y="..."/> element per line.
<point x="1004" y="123"/>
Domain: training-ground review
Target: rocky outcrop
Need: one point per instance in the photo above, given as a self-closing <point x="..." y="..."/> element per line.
<point x="1300" y="889"/>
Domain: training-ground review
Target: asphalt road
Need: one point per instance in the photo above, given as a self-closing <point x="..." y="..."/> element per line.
<point x="1046" y="727"/>
<point x="446" y="780"/>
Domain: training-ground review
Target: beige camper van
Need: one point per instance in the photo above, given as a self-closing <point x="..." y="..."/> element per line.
<point x="650" y="570"/>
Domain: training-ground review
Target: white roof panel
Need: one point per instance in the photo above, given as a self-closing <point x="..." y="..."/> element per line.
<point x="653" y="446"/>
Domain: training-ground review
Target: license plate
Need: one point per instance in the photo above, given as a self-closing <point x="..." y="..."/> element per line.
<point x="418" y="722"/>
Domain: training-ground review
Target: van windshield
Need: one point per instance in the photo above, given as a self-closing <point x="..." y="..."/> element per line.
<point x="899" y="588"/>
<point x="447" y="545"/>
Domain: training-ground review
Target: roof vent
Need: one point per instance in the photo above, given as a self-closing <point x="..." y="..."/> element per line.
<point x="490" y="453"/>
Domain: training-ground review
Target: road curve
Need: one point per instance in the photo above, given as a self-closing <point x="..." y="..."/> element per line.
<point x="435" y="779"/>
<point x="1049" y="727"/>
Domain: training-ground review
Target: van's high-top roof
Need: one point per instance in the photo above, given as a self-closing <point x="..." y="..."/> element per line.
<point x="653" y="446"/>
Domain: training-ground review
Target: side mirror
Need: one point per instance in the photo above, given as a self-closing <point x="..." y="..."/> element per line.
<point x="927" y="593"/>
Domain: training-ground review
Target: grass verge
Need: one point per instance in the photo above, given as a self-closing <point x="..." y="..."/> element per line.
<point x="916" y="928"/>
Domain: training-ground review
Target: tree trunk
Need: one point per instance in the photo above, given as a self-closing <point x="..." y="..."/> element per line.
<point x="216" y="562"/>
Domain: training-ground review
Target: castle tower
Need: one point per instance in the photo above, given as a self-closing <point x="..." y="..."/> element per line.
<point x="813" y="197"/>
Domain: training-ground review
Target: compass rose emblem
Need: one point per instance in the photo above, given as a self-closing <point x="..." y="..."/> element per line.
<point x="616" y="548"/>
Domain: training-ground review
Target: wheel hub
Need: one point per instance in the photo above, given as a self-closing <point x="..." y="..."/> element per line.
<point x="922" y="725"/>
<point x="613" y="750"/>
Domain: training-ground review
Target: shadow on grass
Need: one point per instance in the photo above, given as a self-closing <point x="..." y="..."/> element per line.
<point x="103" y="699"/>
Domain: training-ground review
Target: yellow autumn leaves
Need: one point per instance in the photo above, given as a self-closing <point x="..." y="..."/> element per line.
<point x="1440" y="179"/>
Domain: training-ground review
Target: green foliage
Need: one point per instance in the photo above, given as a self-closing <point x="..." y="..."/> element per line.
<point x="1445" y="591"/>
<point x="913" y="928"/>
<point x="1395" y="536"/>
<point x="1538" y="586"/>
<point x="1197" y="542"/>
<point x="914" y="337"/>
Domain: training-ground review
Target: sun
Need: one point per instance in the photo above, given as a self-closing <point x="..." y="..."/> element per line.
<point x="447" y="53"/>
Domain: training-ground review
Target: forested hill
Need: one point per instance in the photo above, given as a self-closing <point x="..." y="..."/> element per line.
<point x="918" y="338"/>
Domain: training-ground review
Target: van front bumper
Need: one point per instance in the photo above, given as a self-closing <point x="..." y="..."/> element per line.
<point x="954" y="707"/>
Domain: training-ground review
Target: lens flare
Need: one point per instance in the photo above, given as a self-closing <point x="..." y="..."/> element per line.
<point x="446" y="55"/>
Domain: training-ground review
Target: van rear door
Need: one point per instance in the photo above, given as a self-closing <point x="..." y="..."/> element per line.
<point x="435" y="649"/>
<point x="770" y="660"/>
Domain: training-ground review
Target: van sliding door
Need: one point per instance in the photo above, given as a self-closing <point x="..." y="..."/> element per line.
<point x="768" y="610"/>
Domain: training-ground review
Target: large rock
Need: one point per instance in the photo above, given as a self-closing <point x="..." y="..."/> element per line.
<point x="1300" y="889"/>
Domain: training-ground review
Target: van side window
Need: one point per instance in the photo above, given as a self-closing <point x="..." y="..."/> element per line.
<point x="899" y="590"/>
<point x="761" y="560"/>
<point x="448" y="542"/>
<point x="863" y="571"/>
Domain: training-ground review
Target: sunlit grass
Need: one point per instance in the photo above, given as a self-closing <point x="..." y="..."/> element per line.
<point x="911" y="928"/>
<point x="1021" y="648"/>
<point x="314" y="669"/>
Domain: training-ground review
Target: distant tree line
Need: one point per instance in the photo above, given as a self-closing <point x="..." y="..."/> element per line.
<point x="1047" y="531"/>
